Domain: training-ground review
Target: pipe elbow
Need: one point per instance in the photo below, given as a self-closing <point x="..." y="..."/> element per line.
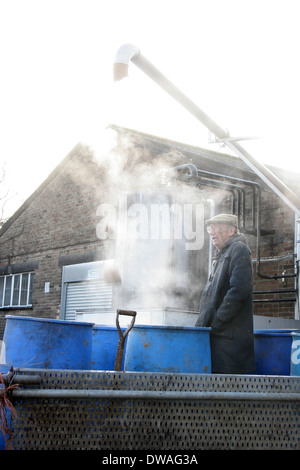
<point x="188" y="166"/>
<point x="124" y="54"/>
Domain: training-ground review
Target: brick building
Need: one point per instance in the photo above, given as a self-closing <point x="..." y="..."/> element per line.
<point x="59" y="251"/>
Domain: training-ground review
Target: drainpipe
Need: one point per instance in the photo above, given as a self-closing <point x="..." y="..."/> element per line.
<point x="129" y="52"/>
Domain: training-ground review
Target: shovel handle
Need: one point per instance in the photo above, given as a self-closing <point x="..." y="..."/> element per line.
<point x="130" y="313"/>
<point x="119" y="356"/>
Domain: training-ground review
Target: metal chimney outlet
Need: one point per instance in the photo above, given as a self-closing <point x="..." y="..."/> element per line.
<point x="124" y="55"/>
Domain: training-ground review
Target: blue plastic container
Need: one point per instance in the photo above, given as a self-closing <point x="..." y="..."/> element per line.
<point x="47" y="344"/>
<point x="295" y="353"/>
<point x="273" y="351"/>
<point x="168" y="349"/>
<point x="105" y="346"/>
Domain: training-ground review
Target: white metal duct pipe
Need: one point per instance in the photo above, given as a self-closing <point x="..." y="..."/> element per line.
<point x="129" y="52"/>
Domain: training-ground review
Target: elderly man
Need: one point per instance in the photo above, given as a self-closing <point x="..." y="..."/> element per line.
<point x="226" y="302"/>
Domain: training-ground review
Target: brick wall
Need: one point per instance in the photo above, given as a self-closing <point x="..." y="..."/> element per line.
<point x="277" y="257"/>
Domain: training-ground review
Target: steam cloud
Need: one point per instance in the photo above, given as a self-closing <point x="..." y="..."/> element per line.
<point x="157" y="223"/>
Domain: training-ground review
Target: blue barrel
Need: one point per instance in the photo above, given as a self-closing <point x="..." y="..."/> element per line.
<point x="168" y="349"/>
<point x="273" y="351"/>
<point x="295" y="353"/>
<point x="47" y="344"/>
<point x="105" y="346"/>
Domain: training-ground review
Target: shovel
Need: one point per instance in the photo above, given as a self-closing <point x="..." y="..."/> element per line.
<point x="122" y="337"/>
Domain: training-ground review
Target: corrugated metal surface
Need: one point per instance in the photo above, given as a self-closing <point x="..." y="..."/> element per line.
<point x="94" y="295"/>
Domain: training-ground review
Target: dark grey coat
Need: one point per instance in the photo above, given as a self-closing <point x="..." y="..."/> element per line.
<point x="226" y="307"/>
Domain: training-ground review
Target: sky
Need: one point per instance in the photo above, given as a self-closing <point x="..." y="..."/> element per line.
<point x="238" y="60"/>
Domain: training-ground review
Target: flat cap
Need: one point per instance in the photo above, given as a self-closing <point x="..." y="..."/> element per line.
<point x="228" y="219"/>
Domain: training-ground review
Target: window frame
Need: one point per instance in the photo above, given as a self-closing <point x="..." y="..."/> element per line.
<point x="12" y="292"/>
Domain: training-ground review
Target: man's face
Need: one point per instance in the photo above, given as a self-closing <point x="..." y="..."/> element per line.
<point x="220" y="234"/>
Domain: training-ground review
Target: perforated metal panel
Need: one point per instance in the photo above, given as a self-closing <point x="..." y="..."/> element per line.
<point x="159" y="424"/>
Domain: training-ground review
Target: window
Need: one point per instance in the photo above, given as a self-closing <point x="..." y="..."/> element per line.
<point x="16" y="290"/>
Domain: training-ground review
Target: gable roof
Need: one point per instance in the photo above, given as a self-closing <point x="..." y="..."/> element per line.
<point x="77" y="150"/>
